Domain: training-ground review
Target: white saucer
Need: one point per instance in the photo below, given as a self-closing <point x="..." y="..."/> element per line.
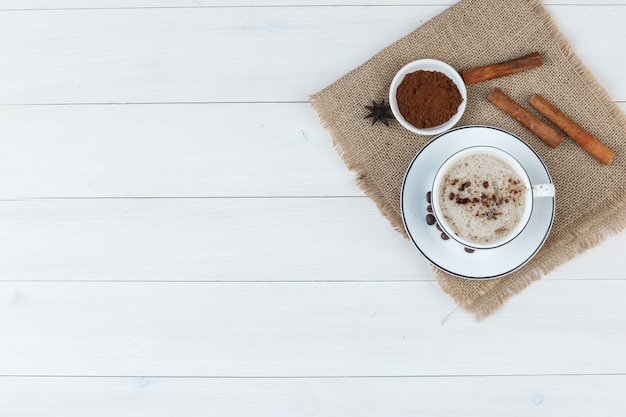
<point x="449" y="255"/>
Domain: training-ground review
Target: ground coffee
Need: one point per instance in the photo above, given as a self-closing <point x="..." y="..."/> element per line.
<point x="428" y="98"/>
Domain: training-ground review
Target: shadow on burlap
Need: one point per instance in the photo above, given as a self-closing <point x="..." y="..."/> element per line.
<point x="472" y="33"/>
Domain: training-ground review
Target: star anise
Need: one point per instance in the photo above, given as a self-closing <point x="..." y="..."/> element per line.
<point x="380" y="112"/>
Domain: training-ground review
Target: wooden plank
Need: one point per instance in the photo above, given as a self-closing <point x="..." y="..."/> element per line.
<point x="574" y="396"/>
<point x="236" y="239"/>
<point x="204" y="150"/>
<point x="305" y="329"/>
<point x="188" y="55"/>
<point x="212" y="54"/>
<point x="204" y="239"/>
<point x="172" y="150"/>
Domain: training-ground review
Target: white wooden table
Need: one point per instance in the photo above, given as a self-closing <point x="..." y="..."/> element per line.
<point x="180" y="238"/>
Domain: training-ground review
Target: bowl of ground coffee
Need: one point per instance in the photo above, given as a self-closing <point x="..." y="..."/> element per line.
<point x="427" y="97"/>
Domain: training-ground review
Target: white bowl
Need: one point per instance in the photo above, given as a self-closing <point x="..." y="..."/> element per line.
<point x="427" y="65"/>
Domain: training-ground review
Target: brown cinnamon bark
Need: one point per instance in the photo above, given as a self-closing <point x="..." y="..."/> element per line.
<point x="573" y="130"/>
<point x="544" y="132"/>
<point x="502" y="69"/>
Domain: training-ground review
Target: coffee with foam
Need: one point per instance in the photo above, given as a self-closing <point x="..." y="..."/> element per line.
<point x="482" y="198"/>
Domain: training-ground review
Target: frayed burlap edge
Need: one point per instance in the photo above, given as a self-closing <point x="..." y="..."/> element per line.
<point x="591" y="230"/>
<point x="363" y="180"/>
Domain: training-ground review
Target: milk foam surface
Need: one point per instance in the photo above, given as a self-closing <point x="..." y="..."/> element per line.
<point x="482" y="198"/>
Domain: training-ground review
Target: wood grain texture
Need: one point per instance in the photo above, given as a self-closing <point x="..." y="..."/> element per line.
<point x="541" y="396"/>
<point x="170" y="150"/>
<point x="198" y="248"/>
<point x="305" y="329"/>
<point x="184" y="54"/>
<point x="204" y="239"/>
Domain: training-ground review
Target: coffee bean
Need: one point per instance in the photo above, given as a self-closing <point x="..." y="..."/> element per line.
<point x="469" y="250"/>
<point x="444" y="236"/>
<point x="428" y="195"/>
<point x="429" y="208"/>
<point x="438" y="227"/>
<point x="430" y="219"/>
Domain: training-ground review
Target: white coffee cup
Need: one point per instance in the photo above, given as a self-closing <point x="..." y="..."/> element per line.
<point x="531" y="191"/>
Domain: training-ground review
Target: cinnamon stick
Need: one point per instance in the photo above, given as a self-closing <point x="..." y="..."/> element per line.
<point x="573" y="130"/>
<point x="488" y="72"/>
<point x="544" y="132"/>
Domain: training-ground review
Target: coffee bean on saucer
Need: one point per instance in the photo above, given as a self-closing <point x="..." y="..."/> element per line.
<point x="428" y="194"/>
<point x="444" y="236"/>
<point x="439" y="227"/>
<point x="469" y="250"/>
<point x="429" y="208"/>
<point x="430" y="219"/>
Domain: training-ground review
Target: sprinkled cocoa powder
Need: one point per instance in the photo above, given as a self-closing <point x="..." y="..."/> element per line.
<point x="482" y="198"/>
<point x="427" y="98"/>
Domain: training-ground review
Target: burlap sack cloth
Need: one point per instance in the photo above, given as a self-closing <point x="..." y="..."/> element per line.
<point x="472" y="33"/>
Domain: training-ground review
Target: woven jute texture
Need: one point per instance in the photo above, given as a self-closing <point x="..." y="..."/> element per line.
<point x="590" y="196"/>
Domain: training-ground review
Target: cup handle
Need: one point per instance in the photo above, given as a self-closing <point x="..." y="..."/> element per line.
<point x="543" y="190"/>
